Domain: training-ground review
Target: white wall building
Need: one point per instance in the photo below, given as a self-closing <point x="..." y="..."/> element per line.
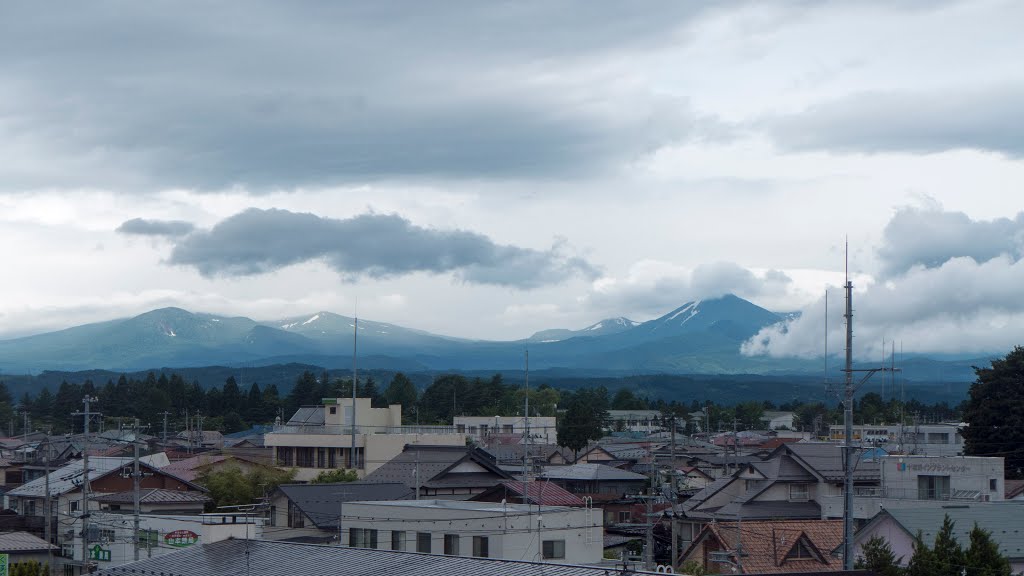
<point x="110" y="535"/>
<point x="776" y="420"/>
<point x="319" y="438"/>
<point x="482" y="428"/>
<point x="916" y="481"/>
<point x="920" y="439"/>
<point x="645" y="421"/>
<point x="482" y="529"/>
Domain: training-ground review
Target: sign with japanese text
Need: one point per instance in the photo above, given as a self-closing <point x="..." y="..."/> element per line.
<point x="181" y="538"/>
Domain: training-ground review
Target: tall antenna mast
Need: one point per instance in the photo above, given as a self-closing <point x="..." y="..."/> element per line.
<point x="826" y="337"/>
<point x="848" y="424"/>
<point x="355" y="382"/>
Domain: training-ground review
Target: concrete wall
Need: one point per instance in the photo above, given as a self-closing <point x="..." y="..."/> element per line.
<point x="366" y="415"/>
<point x="512" y="535"/>
<point x="378" y="448"/>
<point x="542" y="428"/>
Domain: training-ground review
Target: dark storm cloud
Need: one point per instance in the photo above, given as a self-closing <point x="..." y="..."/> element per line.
<point x="279" y="95"/>
<point x="930" y="237"/>
<point x="375" y="245"/>
<point x="937" y="121"/>
<point x="142" y="227"/>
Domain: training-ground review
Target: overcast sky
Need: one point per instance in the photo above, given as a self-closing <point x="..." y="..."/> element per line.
<point x="487" y="170"/>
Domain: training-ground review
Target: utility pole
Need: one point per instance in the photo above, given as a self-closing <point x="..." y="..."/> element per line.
<point x="165" y="414"/>
<point x="675" y="499"/>
<point x="136" y="477"/>
<point x="355" y="384"/>
<point x="47" y="504"/>
<point x="87" y="414"/>
<point x="649" y="520"/>
<point x="848" y="391"/>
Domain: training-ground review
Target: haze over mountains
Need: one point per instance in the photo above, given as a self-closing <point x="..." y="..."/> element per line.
<point x="698" y="337"/>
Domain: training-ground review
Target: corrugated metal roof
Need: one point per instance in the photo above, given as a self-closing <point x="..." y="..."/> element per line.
<point x="268" y="558"/>
<point x="69" y="477"/>
<point x="153" y="496"/>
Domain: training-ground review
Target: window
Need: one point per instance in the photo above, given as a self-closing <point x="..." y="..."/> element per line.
<point x="993" y="485"/>
<point x="30" y="508"/>
<point x="481" y="547"/>
<point x="451" y="544"/>
<point x="107" y="535"/>
<point x="321" y="457"/>
<point x="284" y="455"/>
<point x="624" y="516"/>
<point x="149" y="539"/>
<point x="483" y="429"/>
<point x="334" y="409"/>
<point x="295" y="517"/>
<point x="74" y="505"/>
<point x="398" y="540"/>
<point x="362" y="538"/>
<point x="460" y="428"/>
<point x="801" y="551"/>
<point x="799" y="492"/>
<point x="932" y="487"/>
<point x="507" y="429"/>
<point x="553" y="549"/>
<point x="273" y="516"/>
<point x="423" y="542"/>
<point x="304" y="457"/>
<point x="332" y="458"/>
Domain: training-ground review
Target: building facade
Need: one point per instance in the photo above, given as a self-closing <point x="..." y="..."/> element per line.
<point x="481" y="429"/>
<point x="319" y="438"/>
<point x="479" y="529"/>
<point x="916" y="439"/>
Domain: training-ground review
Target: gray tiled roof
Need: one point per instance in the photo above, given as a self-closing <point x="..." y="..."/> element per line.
<point x="431" y="462"/>
<point x="319" y="502"/>
<point x="826" y="459"/>
<point x="268" y="558"/>
<point x="589" y="472"/>
<point x="154" y="496"/>
<point x="22" y="542"/>
<point x="1002" y="519"/>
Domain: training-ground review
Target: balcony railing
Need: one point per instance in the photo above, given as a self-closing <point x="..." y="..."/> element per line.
<point x="334" y="429"/>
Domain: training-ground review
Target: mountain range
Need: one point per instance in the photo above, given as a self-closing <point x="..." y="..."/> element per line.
<point x="700" y="337"/>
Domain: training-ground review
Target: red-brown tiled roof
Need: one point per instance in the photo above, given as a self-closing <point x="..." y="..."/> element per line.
<point x="766" y="544"/>
<point x="543" y="493"/>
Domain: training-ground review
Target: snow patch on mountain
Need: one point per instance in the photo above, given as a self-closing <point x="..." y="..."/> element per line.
<point x="313" y="319"/>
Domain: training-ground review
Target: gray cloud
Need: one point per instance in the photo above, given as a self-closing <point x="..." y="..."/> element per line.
<point x="143" y="227"/>
<point x="270" y="95"/>
<point x="930" y="237"/>
<point x="654" y="294"/>
<point x="950" y="285"/>
<point x="936" y="121"/>
<point x="375" y="245"/>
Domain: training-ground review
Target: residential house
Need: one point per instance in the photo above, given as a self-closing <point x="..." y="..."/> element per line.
<point x="111" y="537"/>
<point x="442" y="472"/>
<point x="154" y="501"/>
<point x="200" y="439"/>
<point x="269" y="558"/>
<point x="22" y="547"/>
<point x="540" y="493"/>
<point x="481" y="429"/>
<point x="767" y="547"/>
<point x="900" y="526"/>
<point x="106" y="476"/>
<point x="318" y="438"/>
<point x="192" y="468"/>
<point x="589" y="479"/>
<point x="310" y="512"/>
<point x="561" y="534"/>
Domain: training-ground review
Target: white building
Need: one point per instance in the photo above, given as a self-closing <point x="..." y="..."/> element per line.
<point x="319" y="438"/>
<point x="482" y="529"/>
<point x="924" y="481"/>
<point x="111" y="535"/>
<point x="645" y="421"/>
<point x="484" y="428"/>
<point x="776" y="420"/>
<point x="922" y="439"/>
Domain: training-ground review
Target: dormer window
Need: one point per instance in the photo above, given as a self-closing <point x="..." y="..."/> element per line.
<point x="802" y="550"/>
<point x="799" y="493"/>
